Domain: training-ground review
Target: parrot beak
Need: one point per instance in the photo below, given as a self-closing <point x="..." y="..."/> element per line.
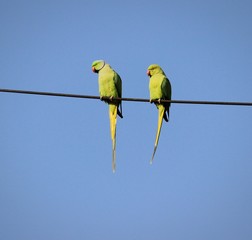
<point x="93" y="69"/>
<point x="148" y="73"/>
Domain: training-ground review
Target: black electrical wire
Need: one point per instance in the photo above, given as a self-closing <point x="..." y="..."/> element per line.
<point x="125" y="99"/>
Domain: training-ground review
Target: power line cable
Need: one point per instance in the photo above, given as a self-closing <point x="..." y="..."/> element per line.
<point x="125" y="99"/>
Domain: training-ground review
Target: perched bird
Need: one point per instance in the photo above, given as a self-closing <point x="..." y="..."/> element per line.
<point x="160" y="89"/>
<point x="110" y="86"/>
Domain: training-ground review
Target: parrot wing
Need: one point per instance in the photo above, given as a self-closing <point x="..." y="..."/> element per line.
<point x="166" y="92"/>
<point x="118" y="85"/>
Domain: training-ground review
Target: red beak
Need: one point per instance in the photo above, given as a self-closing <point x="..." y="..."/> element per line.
<point x="148" y="73"/>
<point x="93" y="69"/>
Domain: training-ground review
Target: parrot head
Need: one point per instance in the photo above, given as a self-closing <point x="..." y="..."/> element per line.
<point x="97" y="65"/>
<point x="154" y="69"/>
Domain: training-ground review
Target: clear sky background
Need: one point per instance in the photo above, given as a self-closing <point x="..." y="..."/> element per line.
<point x="56" y="180"/>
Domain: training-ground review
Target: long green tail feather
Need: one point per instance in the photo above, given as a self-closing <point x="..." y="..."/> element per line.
<point x="112" y="116"/>
<point x="161" y="110"/>
<point x="114" y="157"/>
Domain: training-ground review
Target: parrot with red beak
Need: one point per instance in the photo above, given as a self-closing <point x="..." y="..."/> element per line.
<point x="160" y="89"/>
<point x="110" y="86"/>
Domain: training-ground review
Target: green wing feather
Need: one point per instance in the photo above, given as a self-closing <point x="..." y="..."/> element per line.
<point x="118" y="85"/>
<point x="166" y="94"/>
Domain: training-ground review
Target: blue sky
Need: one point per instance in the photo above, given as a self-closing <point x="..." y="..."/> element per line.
<point x="55" y="164"/>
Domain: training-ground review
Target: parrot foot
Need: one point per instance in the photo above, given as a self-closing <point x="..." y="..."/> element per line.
<point x="101" y="98"/>
<point x="111" y="98"/>
<point x="155" y="100"/>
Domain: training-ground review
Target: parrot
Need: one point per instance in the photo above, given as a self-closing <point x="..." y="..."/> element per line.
<point x="110" y="85"/>
<point x="160" y="89"/>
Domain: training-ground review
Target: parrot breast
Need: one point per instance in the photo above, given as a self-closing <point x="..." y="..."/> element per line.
<point x="106" y="84"/>
<point x="155" y="87"/>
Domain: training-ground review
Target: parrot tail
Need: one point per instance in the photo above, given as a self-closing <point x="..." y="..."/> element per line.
<point x="166" y="113"/>
<point x="165" y="117"/>
<point x="119" y="112"/>
<point x="112" y="117"/>
<point x="161" y="111"/>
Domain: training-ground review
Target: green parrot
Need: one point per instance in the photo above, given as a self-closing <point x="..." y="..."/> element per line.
<point x="160" y="89"/>
<point x="110" y="85"/>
